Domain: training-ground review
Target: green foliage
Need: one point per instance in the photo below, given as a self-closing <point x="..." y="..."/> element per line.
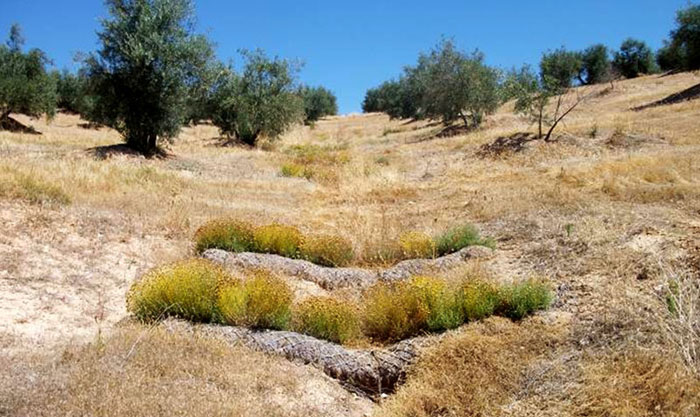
<point x="259" y="102"/>
<point x="524" y="298"/>
<point x="318" y="102"/>
<point x="634" y="58"/>
<point x="460" y="237"/>
<point x="446" y="84"/>
<point x="478" y="299"/>
<point x="186" y="289"/>
<point x="456" y="85"/>
<point x="227" y="234"/>
<point x="682" y="52"/>
<point x="596" y="66"/>
<point x="560" y="67"/>
<point x="327" y="250"/>
<point x="262" y="301"/>
<point x="278" y="239"/>
<point x="444" y="309"/>
<point x="73" y="94"/>
<point x="25" y="86"/>
<point x="328" y="318"/>
<point x="144" y="75"/>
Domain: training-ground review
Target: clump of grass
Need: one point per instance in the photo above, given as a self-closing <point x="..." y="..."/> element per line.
<point x="417" y="245"/>
<point x="478" y="299"/>
<point x="278" y="239"/>
<point x="327" y="250"/>
<point x="186" y="289"/>
<point x="328" y="318"/>
<point x="227" y="234"/>
<point x="400" y="310"/>
<point x="33" y="189"/>
<point x="524" y="298"/>
<point x="394" y="312"/>
<point x="262" y="301"/>
<point x="458" y="238"/>
<point x="292" y="169"/>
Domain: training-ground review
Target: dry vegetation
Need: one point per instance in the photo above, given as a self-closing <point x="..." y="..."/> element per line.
<point x="609" y="212"/>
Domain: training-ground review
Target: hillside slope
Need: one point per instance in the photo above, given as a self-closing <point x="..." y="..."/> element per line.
<point x="609" y="213"/>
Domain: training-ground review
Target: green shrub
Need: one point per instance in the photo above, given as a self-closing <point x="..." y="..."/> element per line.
<point x="327" y="318"/>
<point x="417" y="245"/>
<point x="186" y="289"/>
<point x="522" y="299"/>
<point x="444" y="309"/>
<point x="227" y="234"/>
<point x="327" y="250"/>
<point x="263" y="301"/>
<point x="459" y="237"/>
<point x="278" y="239"/>
<point x="478" y="299"/>
<point x="394" y="312"/>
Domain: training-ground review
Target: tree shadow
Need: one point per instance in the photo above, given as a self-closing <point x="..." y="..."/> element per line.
<point x="11" y="125"/>
<point x="685" y="95"/>
<point x="108" y="151"/>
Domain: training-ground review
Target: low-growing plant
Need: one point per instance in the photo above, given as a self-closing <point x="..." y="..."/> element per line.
<point x="278" y="239"/>
<point x="226" y="234"/>
<point x="292" y="169"/>
<point x="328" y="318"/>
<point x="417" y="245"/>
<point x="327" y="250"/>
<point x="186" y="289"/>
<point x="478" y="299"/>
<point x="262" y="301"/>
<point x="444" y="309"/>
<point x="394" y="311"/>
<point x="524" y="298"/>
<point x="458" y="238"/>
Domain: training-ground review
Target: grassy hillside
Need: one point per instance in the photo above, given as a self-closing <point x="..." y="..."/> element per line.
<point x="609" y="213"/>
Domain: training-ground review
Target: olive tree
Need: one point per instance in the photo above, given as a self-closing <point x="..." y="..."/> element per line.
<point x="456" y="85"/>
<point x="595" y="65"/>
<point x="143" y="77"/>
<point x="683" y="50"/>
<point x="261" y="101"/>
<point x="25" y="86"/>
<point x="318" y="102"/>
<point x="561" y="66"/>
<point x="634" y="58"/>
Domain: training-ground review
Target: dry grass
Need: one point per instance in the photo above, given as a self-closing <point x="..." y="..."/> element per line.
<point x="140" y="371"/>
<point x="474" y="372"/>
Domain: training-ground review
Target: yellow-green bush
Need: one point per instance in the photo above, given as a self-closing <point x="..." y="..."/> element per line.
<point x="186" y="289"/>
<point x="327" y="318"/>
<point x="524" y="298"/>
<point x="227" y="234"/>
<point x="478" y="299"/>
<point x="262" y="301"/>
<point x="327" y="250"/>
<point x="417" y="245"/>
<point x="444" y="309"/>
<point x="292" y="169"/>
<point x="394" y="311"/>
<point x="278" y="239"/>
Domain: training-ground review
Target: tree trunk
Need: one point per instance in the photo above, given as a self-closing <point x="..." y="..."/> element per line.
<point x="464" y="117"/>
<point x="152" y="143"/>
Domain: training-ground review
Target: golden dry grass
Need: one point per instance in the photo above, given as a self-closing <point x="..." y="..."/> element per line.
<point x="149" y="372"/>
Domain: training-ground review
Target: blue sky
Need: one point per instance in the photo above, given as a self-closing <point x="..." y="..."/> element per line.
<point x="350" y="46"/>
